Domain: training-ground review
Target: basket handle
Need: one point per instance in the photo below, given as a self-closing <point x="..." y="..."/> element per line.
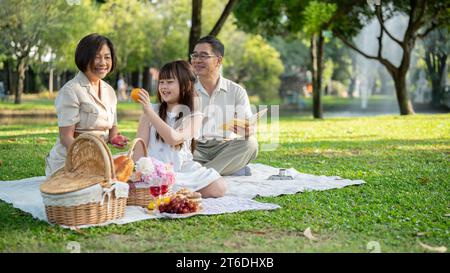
<point x="106" y="154"/>
<point x="133" y="144"/>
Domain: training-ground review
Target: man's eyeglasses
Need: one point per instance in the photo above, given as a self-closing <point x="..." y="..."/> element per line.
<point x="201" y="57"/>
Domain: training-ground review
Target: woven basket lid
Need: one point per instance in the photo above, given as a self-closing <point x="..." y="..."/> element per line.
<point x="88" y="162"/>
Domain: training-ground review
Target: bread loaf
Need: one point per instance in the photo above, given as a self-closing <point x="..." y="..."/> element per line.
<point x="124" y="168"/>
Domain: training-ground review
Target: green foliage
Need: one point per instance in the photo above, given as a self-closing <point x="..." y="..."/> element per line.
<point x="342" y="62"/>
<point x="24" y="24"/>
<point x="261" y="16"/>
<point x="438" y="42"/>
<point x="293" y="52"/>
<point x="120" y="19"/>
<point x="316" y="14"/>
<point x="279" y="17"/>
<point x="328" y="70"/>
<point x="62" y="41"/>
<point x="168" y="40"/>
<point x="255" y="64"/>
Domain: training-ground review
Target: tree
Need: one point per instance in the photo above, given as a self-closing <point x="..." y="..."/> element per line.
<point x="254" y="63"/>
<point x="121" y="18"/>
<point x="196" y="22"/>
<point x="437" y="47"/>
<point x="22" y="28"/>
<point x="61" y="42"/>
<point x="424" y="16"/>
<point x="316" y="15"/>
<point x="286" y="18"/>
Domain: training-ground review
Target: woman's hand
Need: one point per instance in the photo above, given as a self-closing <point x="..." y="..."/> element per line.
<point x="67" y="135"/>
<point x="119" y="141"/>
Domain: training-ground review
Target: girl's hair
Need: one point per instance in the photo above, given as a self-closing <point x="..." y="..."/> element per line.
<point x="183" y="72"/>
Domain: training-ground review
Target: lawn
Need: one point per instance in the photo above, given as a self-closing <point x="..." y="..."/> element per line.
<point x="404" y="160"/>
<point x="44" y="105"/>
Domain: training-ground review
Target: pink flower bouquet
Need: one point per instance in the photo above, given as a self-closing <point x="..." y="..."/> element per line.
<point x="153" y="172"/>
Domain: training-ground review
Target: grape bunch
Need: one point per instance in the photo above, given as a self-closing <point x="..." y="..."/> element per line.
<point x="179" y="205"/>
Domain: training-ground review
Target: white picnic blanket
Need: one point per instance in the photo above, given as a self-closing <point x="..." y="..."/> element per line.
<point x="25" y="195"/>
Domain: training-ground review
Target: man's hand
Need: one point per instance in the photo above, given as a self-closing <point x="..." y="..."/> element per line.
<point x="245" y="131"/>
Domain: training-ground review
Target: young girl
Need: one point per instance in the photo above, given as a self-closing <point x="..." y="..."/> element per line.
<point x="169" y="129"/>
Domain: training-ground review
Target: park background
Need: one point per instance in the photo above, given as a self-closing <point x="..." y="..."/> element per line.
<point x="363" y="93"/>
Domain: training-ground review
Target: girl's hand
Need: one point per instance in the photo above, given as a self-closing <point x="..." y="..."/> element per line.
<point x="144" y="97"/>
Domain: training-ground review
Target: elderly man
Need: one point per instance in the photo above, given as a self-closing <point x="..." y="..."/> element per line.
<point x="226" y="149"/>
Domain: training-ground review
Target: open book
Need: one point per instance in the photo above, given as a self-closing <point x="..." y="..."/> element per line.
<point x="244" y="122"/>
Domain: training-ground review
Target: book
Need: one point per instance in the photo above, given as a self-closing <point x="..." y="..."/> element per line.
<point x="244" y="122"/>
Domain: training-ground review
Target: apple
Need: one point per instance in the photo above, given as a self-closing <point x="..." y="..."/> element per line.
<point x="119" y="141"/>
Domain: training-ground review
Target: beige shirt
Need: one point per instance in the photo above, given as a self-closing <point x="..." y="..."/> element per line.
<point x="78" y="104"/>
<point x="228" y="100"/>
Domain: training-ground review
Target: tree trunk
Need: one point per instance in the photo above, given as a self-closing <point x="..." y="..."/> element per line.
<point x="404" y="103"/>
<point x="317" y="43"/>
<point x="223" y="17"/>
<point x="50" y="82"/>
<point x="401" y="90"/>
<point x="436" y="68"/>
<point x="20" y="80"/>
<point x="10" y="76"/>
<point x="147" y="81"/>
<point x="135" y="79"/>
<point x="196" y="25"/>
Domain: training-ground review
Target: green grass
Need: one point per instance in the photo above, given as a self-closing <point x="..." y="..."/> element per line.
<point x="43" y="104"/>
<point x="404" y="160"/>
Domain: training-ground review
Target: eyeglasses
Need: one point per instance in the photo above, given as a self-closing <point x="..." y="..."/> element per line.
<point x="201" y="57"/>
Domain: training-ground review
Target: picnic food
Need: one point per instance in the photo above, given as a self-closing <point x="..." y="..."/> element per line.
<point x="165" y="200"/>
<point x="179" y="204"/>
<point x="135" y="94"/>
<point x="119" y="141"/>
<point x="195" y="197"/>
<point x="183" y="191"/>
<point x="124" y="167"/>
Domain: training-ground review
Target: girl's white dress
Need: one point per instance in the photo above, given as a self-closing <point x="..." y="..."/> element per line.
<point x="189" y="174"/>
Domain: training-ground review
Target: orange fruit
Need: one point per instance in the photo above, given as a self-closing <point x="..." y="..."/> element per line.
<point x="135" y="94"/>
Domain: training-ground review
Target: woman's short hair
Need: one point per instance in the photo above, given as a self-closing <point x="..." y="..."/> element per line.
<point x="87" y="49"/>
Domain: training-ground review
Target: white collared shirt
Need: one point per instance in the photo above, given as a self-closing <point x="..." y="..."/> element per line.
<point x="227" y="101"/>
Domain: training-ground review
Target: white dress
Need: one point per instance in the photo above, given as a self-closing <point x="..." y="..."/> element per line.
<point x="189" y="174"/>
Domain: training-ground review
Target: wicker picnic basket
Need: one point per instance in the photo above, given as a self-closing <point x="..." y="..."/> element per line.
<point x="138" y="196"/>
<point x="88" y="163"/>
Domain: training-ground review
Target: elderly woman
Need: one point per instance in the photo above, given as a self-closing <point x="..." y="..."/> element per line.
<point x="87" y="103"/>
